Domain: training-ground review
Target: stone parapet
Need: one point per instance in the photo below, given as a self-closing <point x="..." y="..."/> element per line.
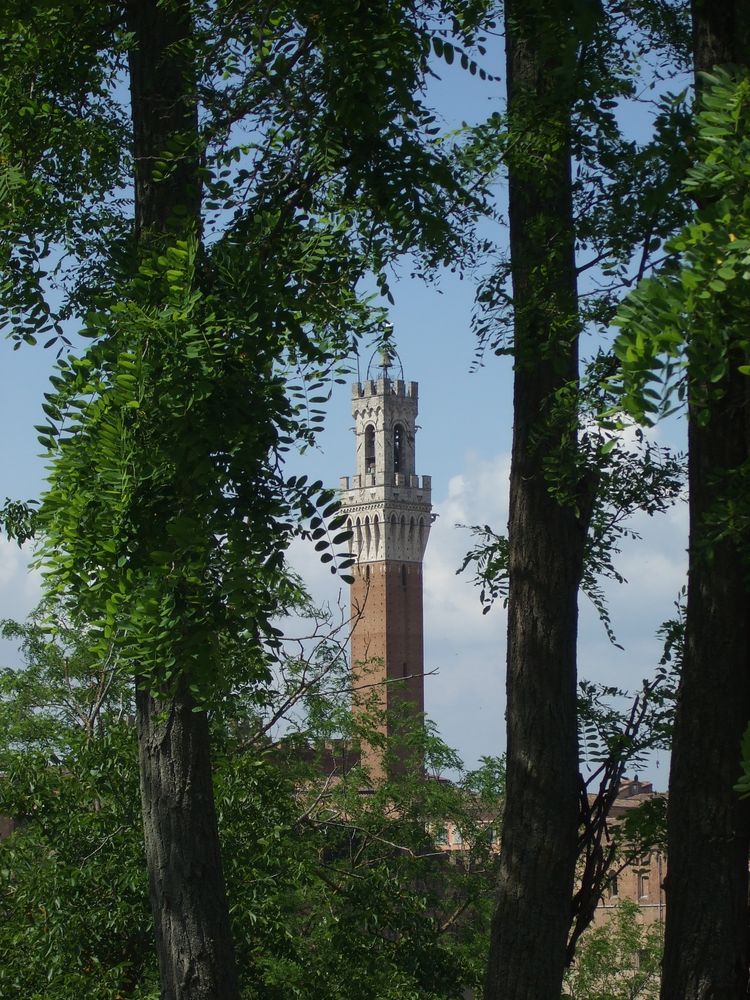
<point x="383" y="386"/>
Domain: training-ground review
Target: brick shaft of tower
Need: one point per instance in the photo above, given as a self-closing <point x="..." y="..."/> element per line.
<point x="388" y="509"/>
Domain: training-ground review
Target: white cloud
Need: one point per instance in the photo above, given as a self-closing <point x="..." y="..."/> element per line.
<point x="20" y="590"/>
<point x="20" y="586"/>
<point x="466" y="698"/>
<point x="478" y="495"/>
<point x="10" y="558"/>
<point x="656" y="569"/>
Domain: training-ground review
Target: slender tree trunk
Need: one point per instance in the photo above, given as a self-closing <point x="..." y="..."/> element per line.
<point x="707" y="947"/>
<point x="196" y="957"/>
<point x="537" y="861"/>
<point x="188" y="897"/>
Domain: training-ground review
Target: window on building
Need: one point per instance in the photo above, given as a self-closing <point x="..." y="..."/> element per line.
<point x="369" y="448"/>
<point x="398" y="448"/>
<point x="612" y="886"/>
<point x="403" y="576"/>
<point x="643" y="885"/>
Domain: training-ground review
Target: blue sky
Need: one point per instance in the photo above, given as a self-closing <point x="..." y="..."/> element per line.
<point x="464" y="444"/>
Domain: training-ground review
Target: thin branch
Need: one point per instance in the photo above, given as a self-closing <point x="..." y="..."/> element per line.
<point x="110" y="837"/>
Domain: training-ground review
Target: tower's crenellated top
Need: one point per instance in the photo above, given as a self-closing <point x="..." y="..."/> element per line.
<point x="385" y="426"/>
<point x="381" y="386"/>
<point x="385" y="490"/>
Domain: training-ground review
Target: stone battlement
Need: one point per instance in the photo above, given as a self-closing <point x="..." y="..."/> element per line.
<point x="385" y="386"/>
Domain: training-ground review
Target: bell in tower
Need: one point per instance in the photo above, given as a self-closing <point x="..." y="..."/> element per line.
<point x="388" y="509"/>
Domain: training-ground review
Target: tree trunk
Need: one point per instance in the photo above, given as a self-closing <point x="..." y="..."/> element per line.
<point x="706" y="937"/>
<point x="188" y="897"/>
<point x="537" y="861"/>
<point x="164" y="107"/>
<point x="196" y="957"/>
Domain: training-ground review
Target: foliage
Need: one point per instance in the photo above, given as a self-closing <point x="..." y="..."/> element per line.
<point x="617" y="727"/>
<point x="365" y="904"/>
<point x="619" y="960"/>
<point x="211" y="351"/>
<point x="681" y="331"/>
<point x="17" y="520"/>
<point x="73" y="886"/>
<point x="197" y="258"/>
<point x="617" y="731"/>
<point x="613" y="738"/>
<point x="64" y="147"/>
<point x="333" y="893"/>
<point x="644" y="829"/>
<point x="690" y="313"/>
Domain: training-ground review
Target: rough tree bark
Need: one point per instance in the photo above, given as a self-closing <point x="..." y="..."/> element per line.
<point x="188" y="898"/>
<point x="707" y="947"/>
<point x="546" y="536"/>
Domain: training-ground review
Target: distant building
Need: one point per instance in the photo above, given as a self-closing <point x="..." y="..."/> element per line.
<point x="642" y="880"/>
<point x="388" y="509"/>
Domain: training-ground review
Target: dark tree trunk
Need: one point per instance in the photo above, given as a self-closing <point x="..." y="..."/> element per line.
<point x="196" y="957"/>
<point x="164" y="107"/>
<point x="188" y="897"/>
<point x="546" y="537"/>
<point x="706" y="937"/>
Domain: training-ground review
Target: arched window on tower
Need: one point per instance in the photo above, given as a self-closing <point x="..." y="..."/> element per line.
<point x="398" y="448"/>
<point x="369" y="448"/>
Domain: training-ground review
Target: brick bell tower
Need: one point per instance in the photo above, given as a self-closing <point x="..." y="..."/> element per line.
<point x="388" y="510"/>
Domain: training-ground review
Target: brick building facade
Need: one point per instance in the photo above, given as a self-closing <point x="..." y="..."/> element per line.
<point x="641" y="881"/>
